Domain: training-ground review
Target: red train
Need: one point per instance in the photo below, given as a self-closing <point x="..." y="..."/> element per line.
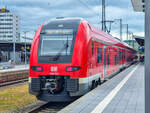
<point x="69" y="57"/>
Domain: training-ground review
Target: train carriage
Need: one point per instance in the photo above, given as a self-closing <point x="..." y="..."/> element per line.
<point x="69" y="57"/>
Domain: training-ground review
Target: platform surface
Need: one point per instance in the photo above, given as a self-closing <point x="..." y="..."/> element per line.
<point x="16" y="68"/>
<point x="124" y="93"/>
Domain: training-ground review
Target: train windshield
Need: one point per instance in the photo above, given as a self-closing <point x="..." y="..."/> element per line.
<point x="56" y="43"/>
<point x="53" y="45"/>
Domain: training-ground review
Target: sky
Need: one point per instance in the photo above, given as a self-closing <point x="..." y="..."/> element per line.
<point x="35" y="12"/>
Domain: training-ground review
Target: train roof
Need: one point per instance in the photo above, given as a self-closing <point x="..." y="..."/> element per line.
<point x="75" y="22"/>
<point x="64" y="20"/>
<point x="59" y="22"/>
<point x="109" y="38"/>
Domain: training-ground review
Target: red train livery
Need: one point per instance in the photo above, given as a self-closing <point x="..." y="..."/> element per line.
<point x="69" y="57"/>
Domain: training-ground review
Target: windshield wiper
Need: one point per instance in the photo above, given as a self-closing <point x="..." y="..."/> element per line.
<point x="59" y="53"/>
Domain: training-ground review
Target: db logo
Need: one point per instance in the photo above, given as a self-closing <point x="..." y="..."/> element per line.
<point x="53" y="69"/>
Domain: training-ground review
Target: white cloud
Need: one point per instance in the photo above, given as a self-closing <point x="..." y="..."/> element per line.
<point x="35" y="12"/>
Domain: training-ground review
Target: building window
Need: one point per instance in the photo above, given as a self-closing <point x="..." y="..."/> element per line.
<point x="6" y="15"/>
<point x="6" y="32"/>
<point x="99" y="55"/>
<point x="6" y="28"/>
<point x="6" y="24"/>
<point x="9" y="36"/>
<point x="8" y="19"/>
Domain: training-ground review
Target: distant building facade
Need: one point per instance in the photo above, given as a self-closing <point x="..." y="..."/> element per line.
<point x="9" y="25"/>
<point x="6" y="51"/>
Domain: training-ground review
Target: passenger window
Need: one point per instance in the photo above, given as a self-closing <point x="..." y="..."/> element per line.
<point x="120" y="55"/>
<point x="124" y="55"/>
<point x="115" y="59"/>
<point x="92" y="48"/>
<point x="108" y="60"/>
<point x="99" y="55"/>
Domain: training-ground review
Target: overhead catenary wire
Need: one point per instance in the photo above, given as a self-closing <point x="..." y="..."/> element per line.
<point x="88" y="7"/>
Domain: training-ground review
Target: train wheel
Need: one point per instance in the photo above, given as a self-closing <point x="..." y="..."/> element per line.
<point x="93" y="84"/>
<point x="96" y="83"/>
<point x="99" y="81"/>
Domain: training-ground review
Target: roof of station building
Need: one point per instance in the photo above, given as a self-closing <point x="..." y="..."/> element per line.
<point x="4" y="10"/>
<point x="140" y="40"/>
<point x="138" y="5"/>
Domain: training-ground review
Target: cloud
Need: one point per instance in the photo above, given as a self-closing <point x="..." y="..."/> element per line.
<point x="35" y="12"/>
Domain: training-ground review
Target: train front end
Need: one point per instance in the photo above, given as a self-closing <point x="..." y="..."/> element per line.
<point x="55" y="69"/>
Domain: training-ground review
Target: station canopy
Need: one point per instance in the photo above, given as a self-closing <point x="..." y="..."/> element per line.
<point x="138" y="5"/>
<point x="8" y="46"/>
<point x="140" y="40"/>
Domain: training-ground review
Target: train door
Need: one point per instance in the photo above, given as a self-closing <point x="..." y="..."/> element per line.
<point x="118" y="65"/>
<point x="105" y="70"/>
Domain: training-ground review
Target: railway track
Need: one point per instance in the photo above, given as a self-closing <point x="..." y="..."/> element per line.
<point x="13" y="82"/>
<point x="53" y="107"/>
<point x="43" y="107"/>
<point x="9" y="78"/>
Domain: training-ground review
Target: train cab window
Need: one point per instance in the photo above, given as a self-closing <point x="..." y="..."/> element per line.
<point x="49" y="45"/>
<point x="92" y="48"/>
<point x="99" y="55"/>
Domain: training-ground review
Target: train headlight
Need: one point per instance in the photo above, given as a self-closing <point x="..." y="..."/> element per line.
<point x="37" y="68"/>
<point x="72" y="68"/>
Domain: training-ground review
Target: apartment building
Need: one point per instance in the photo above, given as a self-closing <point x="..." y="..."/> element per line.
<point x="9" y="25"/>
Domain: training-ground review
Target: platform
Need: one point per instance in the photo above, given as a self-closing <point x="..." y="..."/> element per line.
<point x="124" y="93"/>
<point x="16" y="68"/>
